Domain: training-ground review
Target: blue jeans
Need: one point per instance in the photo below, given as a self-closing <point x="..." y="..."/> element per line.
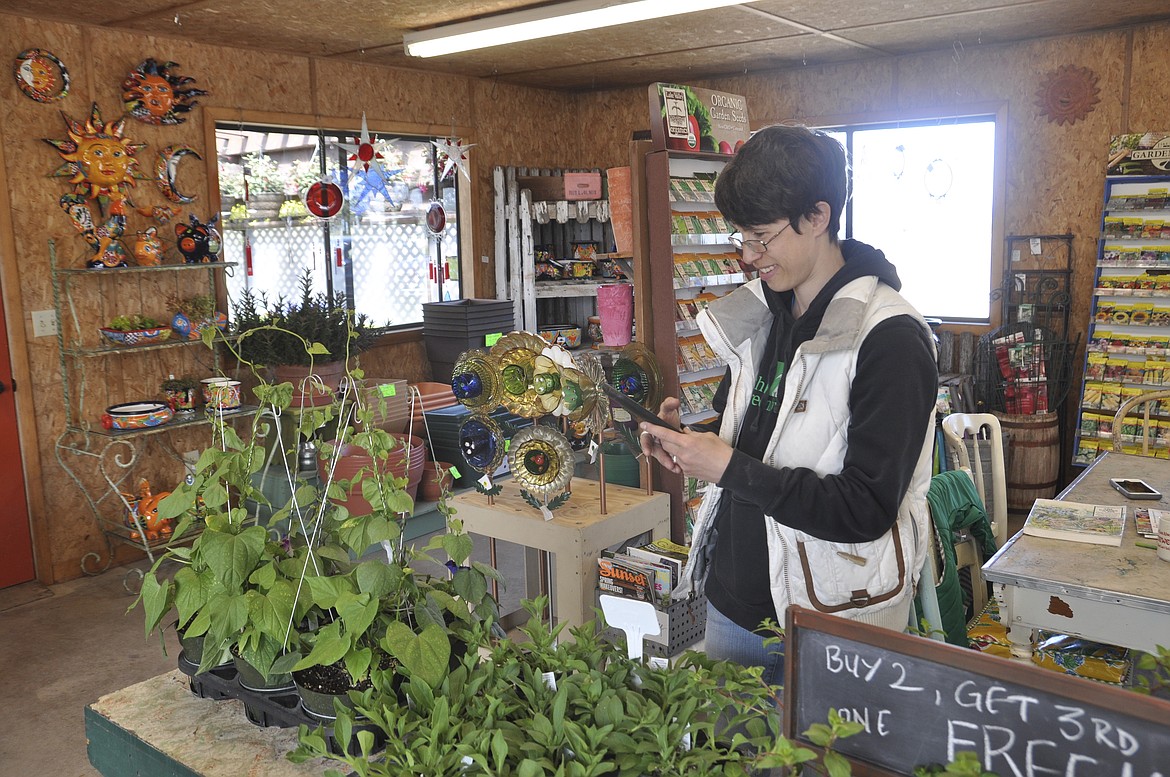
<point x="726" y="640"/>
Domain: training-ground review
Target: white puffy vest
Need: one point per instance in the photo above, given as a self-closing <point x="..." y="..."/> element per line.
<point x="869" y="581"/>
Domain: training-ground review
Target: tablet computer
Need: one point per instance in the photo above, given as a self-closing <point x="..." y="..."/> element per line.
<point x="635" y="408"/>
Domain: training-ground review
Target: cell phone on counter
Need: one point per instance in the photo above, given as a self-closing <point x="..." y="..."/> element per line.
<point x="635" y="409"/>
<point x="1135" y="489"/>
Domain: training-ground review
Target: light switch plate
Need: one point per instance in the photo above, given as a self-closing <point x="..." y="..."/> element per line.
<point x="44" y="323"/>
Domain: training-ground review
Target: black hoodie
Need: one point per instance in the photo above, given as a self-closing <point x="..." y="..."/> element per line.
<point x="892" y="391"/>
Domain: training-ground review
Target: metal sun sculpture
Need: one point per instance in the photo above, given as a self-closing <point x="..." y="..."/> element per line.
<point x="41" y="76"/>
<point x="100" y="163"/>
<point x="541" y="461"/>
<point x="636" y="374"/>
<point x="596" y="409"/>
<point x="516" y="353"/>
<point x="475" y="380"/>
<point x="451" y="153"/>
<point x="482" y="442"/>
<point x="154" y="94"/>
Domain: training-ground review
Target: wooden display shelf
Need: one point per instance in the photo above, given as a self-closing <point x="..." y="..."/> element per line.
<point x="576" y="535"/>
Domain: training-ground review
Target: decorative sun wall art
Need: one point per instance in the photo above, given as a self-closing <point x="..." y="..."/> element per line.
<point x="154" y="94"/>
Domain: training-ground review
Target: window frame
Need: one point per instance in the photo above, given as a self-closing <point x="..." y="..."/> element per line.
<point x="217" y="117"/>
<point x="999" y="111"/>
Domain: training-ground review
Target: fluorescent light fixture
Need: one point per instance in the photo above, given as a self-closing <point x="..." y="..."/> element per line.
<point x="546" y="21"/>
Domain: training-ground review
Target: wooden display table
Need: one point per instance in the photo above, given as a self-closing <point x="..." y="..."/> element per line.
<point x="159" y="728"/>
<point x="576" y="535"/>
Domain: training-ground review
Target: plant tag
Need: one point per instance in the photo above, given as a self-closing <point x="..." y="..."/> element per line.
<point x="386" y="546"/>
<point x="388" y="390"/>
<point x="659" y="662"/>
<point x="455" y="475"/>
<point x="467" y="760"/>
<point x="486" y="482"/>
<point x="550" y="679"/>
<point x="593" y="448"/>
<point x="635" y="618"/>
<point x="547" y="513"/>
<point x="492" y="339"/>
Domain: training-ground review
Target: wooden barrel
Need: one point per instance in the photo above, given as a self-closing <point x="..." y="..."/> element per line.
<point x="1032" y="449"/>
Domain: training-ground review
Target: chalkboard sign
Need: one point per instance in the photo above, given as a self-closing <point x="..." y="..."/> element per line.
<point x="922" y="701"/>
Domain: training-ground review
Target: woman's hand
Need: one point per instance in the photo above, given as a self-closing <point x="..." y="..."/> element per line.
<point x="701" y="455"/>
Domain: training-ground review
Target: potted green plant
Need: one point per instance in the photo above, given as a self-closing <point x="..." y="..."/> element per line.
<point x="301" y="589"/>
<point x="182" y="393"/>
<point x="265" y="184"/>
<point x="600" y="713"/>
<point x="231" y="187"/>
<point x="195" y="314"/>
<point x="134" y="329"/>
<point x="314" y="335"/>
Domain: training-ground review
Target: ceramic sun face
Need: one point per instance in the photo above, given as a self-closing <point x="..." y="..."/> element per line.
<point x="100" y="163"/>
<point x="154" y="94"/>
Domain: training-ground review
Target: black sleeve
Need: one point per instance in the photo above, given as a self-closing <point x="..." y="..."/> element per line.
<point x="893" y="394"/>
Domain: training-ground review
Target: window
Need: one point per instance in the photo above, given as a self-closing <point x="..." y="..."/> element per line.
<point x="923" y="192"/>
<point x="378" y="251"/>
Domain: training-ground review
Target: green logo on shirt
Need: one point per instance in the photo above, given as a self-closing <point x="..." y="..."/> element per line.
<point x="766" y="393"/>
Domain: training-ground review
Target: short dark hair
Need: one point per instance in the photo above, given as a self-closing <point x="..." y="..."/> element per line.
<point x="782" y="172"/>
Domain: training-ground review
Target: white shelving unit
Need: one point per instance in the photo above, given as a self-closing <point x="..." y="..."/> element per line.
<point x="524" y="223"/>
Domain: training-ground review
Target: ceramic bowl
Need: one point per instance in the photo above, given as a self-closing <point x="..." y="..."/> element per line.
<point x="563" y="334"/>
<point x="136" y="336"/>
<point x="136" y="415"/>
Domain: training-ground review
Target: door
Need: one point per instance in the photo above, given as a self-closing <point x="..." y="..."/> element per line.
<point x="16" y="559"/>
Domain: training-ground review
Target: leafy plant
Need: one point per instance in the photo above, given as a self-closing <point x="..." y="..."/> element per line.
<point x="314" y="585"/>
<point x="497" y="713"/>
<point x="231" y="181"/>
<point x="184" y="383"/>
<point x="314" y="328"/>
<point x="134" y="322"/>
<point x="199" y="307"/>
<point x="1155" y="674"/>
<point x="262" y="174"/>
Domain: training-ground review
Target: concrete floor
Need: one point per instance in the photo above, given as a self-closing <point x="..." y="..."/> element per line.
<point x="60" y="649"/>
<point x="63" y="647"/>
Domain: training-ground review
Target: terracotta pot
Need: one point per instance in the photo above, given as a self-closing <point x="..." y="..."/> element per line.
<point x="388" y="401"/>
<point x="306" y="393"/>
<point x="436" y="477"/>
<point x="402" y="462"/>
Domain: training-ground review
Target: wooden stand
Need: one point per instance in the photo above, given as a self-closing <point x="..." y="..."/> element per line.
<point x="158" y="727"/>
<point x="576" y="535"/>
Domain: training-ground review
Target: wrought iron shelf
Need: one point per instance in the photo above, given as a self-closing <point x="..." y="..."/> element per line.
<point x="116" y="349"/>
<point x="108" y="271"/>
<point x="195" y="419"/>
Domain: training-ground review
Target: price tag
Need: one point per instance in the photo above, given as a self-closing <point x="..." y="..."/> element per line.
<point x="593" y="448"/>
<point x="455" y="475"/>
<point x="486" y="482"/>
<point x="490" y="340"/>
<point x="388" y="389"/>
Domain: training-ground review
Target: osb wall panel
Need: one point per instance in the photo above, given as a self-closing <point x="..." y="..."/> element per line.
<point x="1055" y="173"/>
<point x="505" y="126"/>
<point x="1149" y="88"/>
